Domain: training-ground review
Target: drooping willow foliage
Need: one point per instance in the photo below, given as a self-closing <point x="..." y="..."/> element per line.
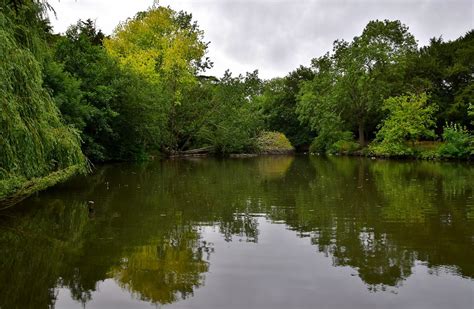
<point x="34" y="142"/>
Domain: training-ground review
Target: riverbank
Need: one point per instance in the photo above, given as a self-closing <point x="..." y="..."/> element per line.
<point x="266" y="143"/>
<point x="424" y="150"/>
<point x="14" y="190"/>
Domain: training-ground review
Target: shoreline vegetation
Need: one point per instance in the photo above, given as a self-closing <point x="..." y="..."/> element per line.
<point x="142" y="92"/>
<point x="17" y="190"/>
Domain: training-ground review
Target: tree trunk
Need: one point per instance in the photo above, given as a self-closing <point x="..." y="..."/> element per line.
<point x="198" y="150"/>
<point x="361" y="134"/>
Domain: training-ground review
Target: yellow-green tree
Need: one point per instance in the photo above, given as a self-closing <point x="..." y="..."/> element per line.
<point x="167" y="49"/>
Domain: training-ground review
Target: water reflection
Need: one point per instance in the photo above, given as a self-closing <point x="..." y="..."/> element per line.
<point x="380" y="218"/>
<point x="164" y="272"/>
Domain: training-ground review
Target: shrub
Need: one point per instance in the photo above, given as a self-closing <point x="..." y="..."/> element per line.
<point x="399" y="149"/>
<point x="318" y="145"/>
<point x="324" y="140"/>
<point x="410" y="118"/>
<point x="334" y="142"/>
<point x="344" y="146"/>
<point x="459" y="143"/>
<point x="273" y="142"/>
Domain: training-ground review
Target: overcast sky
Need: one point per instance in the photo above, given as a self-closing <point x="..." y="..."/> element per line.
<point x="276" y="36"/>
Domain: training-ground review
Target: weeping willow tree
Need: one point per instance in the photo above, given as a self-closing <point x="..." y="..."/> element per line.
<point x="36" y="148"/>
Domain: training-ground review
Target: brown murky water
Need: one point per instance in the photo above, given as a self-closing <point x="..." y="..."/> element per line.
<point x="267" y="232"/>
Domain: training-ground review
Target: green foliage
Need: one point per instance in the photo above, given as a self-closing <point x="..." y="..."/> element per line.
<point x="140" y="92"/>
<point x="316" y="105"/>
<point x="34" y="142"/>
<point x="458" y="142"/>
<point x="370" y="69"/>
<point x="278" y="104"/>
<point x="140" y="126"/>
<point x="231" y="124"/>
<point x="66" y="92"/>
<point x="471" y="113"/>
<point x="166" y="49"/>
<point x="121" y="116"/>
<point x="162" y="45"/>
<point x="409" y="119"/>
<point x="351" y="83"/>
<point x="445" y="70"/>
<point x="334" y="141"/>
<point x="346" y="145"/>
<point x="15" y="189"/>
<point x="84" y="86"/>
<point x="273" y="142"/>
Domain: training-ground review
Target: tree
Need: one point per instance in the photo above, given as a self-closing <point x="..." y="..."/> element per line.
<point x="166" y="49"/>
<point x="119" y="113"/>
<point x="370" y="69"/>
<point x="317" y="107"/>
<point x="278" y="104"/>
<point x="445" y="70"/>
<point x="351" y="83"/>
<point x="232" y="121"/>
<point x="410" y="118"/>
<point x="86" y="92"/>
<point x="34" y="141"/>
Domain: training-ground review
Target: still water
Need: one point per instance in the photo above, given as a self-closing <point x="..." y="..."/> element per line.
<point x="267" y="232"/>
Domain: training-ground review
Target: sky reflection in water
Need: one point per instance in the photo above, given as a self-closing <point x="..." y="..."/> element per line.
<point x="270" y="232"/>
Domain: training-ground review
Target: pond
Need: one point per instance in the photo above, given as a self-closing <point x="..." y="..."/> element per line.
<point x="264" y="232"/>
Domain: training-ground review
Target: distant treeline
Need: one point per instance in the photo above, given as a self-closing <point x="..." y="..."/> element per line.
<point x="143" y="92"/>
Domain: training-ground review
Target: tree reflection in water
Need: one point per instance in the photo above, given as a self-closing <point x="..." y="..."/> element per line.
<point x="157" y="273"/>
<point x="379" y="218"/>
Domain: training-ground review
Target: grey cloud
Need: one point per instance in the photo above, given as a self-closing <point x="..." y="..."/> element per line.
<point x="276" y="36"/>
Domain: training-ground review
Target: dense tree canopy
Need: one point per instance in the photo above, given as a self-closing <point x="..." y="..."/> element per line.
<point x="143" y="91"/>
<point x="87" y="101"/>
<point x="166" y="48"/>
<point x="352" y="82"/>
<point x="350" y="85"/>
<point x="232" y="121"/>
<point x="34" y="142"/>
<point x="278" y="106"/>
<point x="446" y="71"/>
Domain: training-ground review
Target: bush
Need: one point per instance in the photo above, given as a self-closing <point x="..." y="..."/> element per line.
<point x="273" y="142"/>
<point x="334" y="142"/>
<point x="410" y="118"/>
<point x="344" y="146"/>
<point x="459" y="143"/>
<point x="399" y="149"/>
